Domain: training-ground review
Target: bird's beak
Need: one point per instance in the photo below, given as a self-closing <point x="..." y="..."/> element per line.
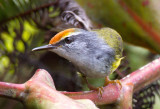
<point x="45" y="47"/>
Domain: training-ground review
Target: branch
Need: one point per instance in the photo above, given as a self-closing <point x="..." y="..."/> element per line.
<point x="112" y="93"/>
<point x="40" y="92"/>
<point x="10" y="90"/>
<point x="144" y="76"/>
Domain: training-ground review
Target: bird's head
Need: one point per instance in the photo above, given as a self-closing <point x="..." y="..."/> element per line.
<point x="70" y="43"/>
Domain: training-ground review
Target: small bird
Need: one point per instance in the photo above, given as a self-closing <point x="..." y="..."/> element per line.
<point x="95" y="53"/>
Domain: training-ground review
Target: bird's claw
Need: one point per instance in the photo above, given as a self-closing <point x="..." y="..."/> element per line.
<point x="107" y="82"/>
<point x="100" y="91"/>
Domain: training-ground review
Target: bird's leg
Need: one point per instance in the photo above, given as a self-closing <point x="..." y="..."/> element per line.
<point x="89" y="86"/>
<point x="99" y="89"/>
<point x="108" y="81"/>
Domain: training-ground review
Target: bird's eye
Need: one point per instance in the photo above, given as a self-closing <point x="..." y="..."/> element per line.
<point x="68" y="40"/>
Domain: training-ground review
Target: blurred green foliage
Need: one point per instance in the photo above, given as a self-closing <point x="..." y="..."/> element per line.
<point x="137" y="56"/>
<point x="137" y="22"/>
<point x="19" y="35"/>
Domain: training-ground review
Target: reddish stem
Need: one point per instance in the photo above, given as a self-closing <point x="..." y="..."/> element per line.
<point x="125" y="101"/>
<point x="110" y="95"/>
<point x="144" y="76"/>
<point x="138" y="79"/>
<point x="13" y="91"/>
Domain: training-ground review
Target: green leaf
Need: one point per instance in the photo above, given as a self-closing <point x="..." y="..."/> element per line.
<point x="20" y="46"/>
<point x="8" y="41"/>
<point x="4" y="61"/>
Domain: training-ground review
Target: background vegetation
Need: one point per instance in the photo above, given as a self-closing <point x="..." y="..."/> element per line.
<point x="25" y="24"/>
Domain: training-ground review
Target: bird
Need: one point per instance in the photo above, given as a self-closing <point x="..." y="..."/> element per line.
<point x="95" y="53"/>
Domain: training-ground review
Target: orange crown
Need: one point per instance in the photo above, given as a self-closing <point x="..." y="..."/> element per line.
<point x="61" y="35"/>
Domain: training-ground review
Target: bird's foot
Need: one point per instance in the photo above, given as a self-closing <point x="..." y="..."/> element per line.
<point x="100" y="90"/>
<point x="108" y="81"/>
